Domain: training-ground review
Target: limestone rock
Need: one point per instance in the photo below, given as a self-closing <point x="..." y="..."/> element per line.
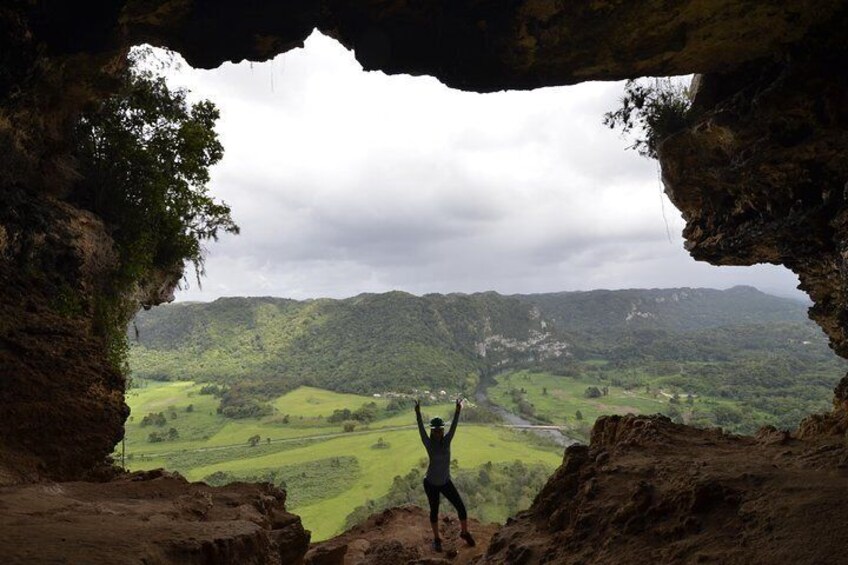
<point x="146" y="517"/>
<point x="667" y="493"/>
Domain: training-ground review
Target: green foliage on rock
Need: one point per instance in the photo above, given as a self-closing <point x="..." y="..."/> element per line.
<point x="655" y="108"/>
<point x="143" y="158"/>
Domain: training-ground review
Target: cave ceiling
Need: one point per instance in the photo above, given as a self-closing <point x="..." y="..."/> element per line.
<point x="480" y="45"/>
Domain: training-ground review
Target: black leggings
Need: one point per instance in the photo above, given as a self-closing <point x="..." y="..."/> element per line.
<point x="450" y="493"/>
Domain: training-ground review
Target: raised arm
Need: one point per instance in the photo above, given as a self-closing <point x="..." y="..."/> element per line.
<point x="424" y="439"/>
<point x="455" y="421"/>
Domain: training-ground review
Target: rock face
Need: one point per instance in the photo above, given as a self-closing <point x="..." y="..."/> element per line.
<point x="761" y="175"/>
<point x="650" y="491"/>
<point x="61" y="400"/>
<point x="148" y="518"/>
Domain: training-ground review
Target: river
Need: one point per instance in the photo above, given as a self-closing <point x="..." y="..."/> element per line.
<point x="556" y="436"/>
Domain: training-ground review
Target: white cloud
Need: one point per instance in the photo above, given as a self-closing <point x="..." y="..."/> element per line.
<point x="346" y="182"/>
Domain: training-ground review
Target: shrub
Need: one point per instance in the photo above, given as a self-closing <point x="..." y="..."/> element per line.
<point x="212" y="389"/>
<point x="592" y="392"/>
<point x="339" y="416"/>
<point x="154" y="419"/>
<point x="658" y="109"/>
<point x="366" y="414"/>
<point x="381" y="444"/>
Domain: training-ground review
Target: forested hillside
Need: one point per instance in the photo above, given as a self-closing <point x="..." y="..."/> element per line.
<point x="737" y="344"/>
<point x="370" y="343"/>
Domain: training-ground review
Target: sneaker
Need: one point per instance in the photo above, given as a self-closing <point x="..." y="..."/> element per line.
<point x="468" y="539"/>
<point x="437" y="545"/>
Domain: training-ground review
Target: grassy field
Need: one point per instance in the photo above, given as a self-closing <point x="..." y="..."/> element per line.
<point x="328" y="472"/>
<point x="309" y="402"/>
<point x="559" y="398"/>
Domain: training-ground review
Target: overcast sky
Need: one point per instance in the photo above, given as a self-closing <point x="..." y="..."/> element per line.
<point x="346" y="182"/>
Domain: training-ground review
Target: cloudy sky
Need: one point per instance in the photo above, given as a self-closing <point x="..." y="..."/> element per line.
<point x="346" y="182"/>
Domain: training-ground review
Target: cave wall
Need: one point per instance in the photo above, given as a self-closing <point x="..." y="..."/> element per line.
<point x="761" y="174"/>
<point x="760" y="177"/>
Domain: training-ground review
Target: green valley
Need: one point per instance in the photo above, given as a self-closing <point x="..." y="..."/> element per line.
<point x="316" y="396"/>
<point x="328" y="472"/>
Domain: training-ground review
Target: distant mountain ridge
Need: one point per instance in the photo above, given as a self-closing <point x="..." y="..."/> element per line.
<point x="672" y="309"/>
<point x="373" y="342"/>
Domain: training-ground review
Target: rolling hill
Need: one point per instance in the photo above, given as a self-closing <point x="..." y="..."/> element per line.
<point x="377" y="342"/>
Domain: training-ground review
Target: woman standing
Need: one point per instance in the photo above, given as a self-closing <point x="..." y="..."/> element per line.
<point x="437" y="481"/>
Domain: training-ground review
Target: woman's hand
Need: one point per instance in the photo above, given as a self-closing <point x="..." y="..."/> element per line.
<point x="417" y="406"/>
<point x="459" y="404"/>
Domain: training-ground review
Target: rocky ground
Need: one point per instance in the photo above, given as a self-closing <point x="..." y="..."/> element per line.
<point x="650" y="491"/>
<point x="401" y="535"/>
<point x="645" y="491"/>
<point x="149" y="517"/>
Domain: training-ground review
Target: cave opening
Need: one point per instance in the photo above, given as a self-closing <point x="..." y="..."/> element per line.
<point x="347" y="182"/>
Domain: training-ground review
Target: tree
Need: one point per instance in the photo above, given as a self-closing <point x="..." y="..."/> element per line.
<point x="173" y="434"/>
<point x="154" y="419"/>
<point x="144" y="157"/>
<point x="253" y="440"/>
<point x="592" y="392"/>
<point x="544" y="391"/>
<point x="381" y="444"/>
<point x="339" y="415"/>
<point x="578" y="415"/>
<point x="349" y="426"/>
